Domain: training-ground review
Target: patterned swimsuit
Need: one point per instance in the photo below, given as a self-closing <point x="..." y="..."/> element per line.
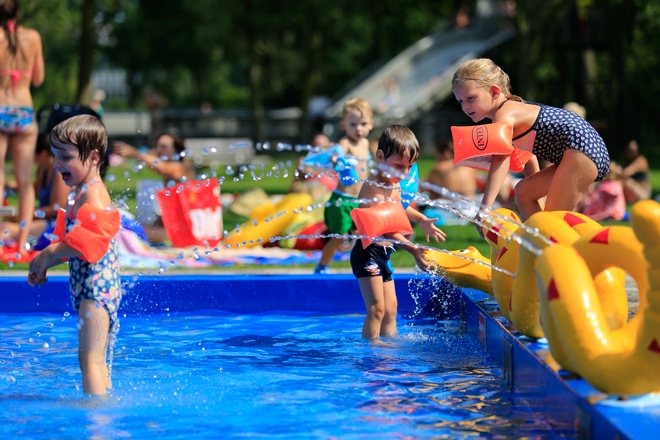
<point x="557" y="130"/>
<point x="98" y="281"/>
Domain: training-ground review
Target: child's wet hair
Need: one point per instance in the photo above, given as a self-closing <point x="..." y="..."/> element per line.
<point x="485" y="73"/>
<point x="86" y="132"/>
<point x="357" y="105"/>
<point x="399" y="140"/>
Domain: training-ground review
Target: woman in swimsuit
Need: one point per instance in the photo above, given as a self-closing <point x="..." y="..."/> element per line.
<point x="21" y="65"/>
<point x="167" y="160"/>
<point x="577" y="152"/>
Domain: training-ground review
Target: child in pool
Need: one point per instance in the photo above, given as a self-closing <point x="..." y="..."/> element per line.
<point x="357" y="122"/>
<point x="85" y="235"/>
<point x="577" y="152"/>
<point x="398" y="149"/>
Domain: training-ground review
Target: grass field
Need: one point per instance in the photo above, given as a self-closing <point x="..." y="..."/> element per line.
<point x="122" y="182"/>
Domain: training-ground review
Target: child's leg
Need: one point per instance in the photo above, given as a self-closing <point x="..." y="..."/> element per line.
<point x="92" y="346"/>
<point x="329" y="250"/>
<point x="388" y="326"/>
<point x="573" y="176"/>
<point x="532" y="188"/>
<point x="374" y="299"/>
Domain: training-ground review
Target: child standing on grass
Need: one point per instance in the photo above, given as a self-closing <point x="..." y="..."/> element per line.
<point x="84" y="234"/>
<point x="398" y="149"/>
<point x="577" y="152"/>
<point x="357" y="122"/>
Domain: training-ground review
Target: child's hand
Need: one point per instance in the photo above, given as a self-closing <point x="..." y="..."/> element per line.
<point x="431" y="230"/>
<point x="419" y="260"/>
<point x="38" y="267"/>
<point x="479" y="222"/>
<point x="35" y="280"/>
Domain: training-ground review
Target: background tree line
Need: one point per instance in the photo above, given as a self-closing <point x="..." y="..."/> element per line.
<point x="260" y="54"/>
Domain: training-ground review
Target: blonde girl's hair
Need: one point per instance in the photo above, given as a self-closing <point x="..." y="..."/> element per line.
<point x="485" y="73"/>
<point x="357" y="105"/>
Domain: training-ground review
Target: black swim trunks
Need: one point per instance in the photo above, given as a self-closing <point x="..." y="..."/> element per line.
<point x="374" y="261"/>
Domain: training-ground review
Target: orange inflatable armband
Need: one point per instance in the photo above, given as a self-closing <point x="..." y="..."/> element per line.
<point x="93" y="231"/>
<point x="380" y="219"/>
<point x="475" y="146"/>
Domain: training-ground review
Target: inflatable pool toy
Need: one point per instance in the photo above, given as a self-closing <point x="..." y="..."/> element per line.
<point x="346" y="169"/>
<point x="270" y="222"/>
<point x="410" y="186"/>
<point x="623" y="361"/>
<point x="304" y="231"/>
<point x="192" y="213"/>
<point x="476" y="145"/>
<point x="380" y="219"/>
<point x="461" y="271"/>
<point x="549" y="228"/>
<point x="322" y="157"/>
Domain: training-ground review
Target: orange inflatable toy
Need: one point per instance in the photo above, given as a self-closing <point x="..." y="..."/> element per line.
<point x="380" y="219"/>
<point x="475" y="146"/>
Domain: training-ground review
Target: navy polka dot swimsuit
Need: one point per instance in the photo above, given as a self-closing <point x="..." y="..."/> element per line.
<point x="556" y="130"/>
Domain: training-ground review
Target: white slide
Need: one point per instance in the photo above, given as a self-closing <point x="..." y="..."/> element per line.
<point x="420" y="76"/>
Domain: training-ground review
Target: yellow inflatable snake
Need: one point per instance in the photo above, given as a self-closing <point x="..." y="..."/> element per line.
<point x="623" y="361"/>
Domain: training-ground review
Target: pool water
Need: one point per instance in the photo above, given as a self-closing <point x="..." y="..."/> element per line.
<point x="215" y="375"/>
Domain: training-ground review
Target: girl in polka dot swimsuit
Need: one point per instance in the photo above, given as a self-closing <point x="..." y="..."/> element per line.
<point x="577" y="151"/>
<point x="84" y="235"/>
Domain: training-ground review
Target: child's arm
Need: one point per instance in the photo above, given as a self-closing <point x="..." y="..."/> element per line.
<point x="408" y="246"/>
<point x="427" y="224"/>
<point x="499" y="168"/>
<point x="49" y="257"/>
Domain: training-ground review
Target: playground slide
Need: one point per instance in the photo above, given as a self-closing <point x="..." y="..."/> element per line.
<point x="420" y="76"/>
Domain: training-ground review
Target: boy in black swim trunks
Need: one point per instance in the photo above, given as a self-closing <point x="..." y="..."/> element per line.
<point x="398" y="150"/>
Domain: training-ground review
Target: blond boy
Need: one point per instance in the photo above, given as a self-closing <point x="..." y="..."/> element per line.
<point x="357" y="122"/>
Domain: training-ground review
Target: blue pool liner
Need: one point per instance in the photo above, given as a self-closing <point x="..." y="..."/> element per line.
<point x="568" y="403"/>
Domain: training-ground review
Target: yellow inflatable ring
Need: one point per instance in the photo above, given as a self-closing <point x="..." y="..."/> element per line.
<point x="623" y="361"/>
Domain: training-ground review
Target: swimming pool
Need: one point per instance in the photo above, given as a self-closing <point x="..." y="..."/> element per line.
<point x="285" y="359"/>
<point x="218" y="375"/>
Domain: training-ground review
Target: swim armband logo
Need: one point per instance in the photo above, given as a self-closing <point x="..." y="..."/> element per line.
<point x="475" y="146"/>
<point x="380" y="219"/>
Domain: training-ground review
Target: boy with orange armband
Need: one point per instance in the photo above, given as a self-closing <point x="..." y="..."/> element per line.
<point x="381" y="213"/>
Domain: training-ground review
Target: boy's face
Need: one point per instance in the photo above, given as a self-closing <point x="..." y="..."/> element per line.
<point x="402" y="164"/>
<point x="356" y="126"/>
<point x="67" y="162"/>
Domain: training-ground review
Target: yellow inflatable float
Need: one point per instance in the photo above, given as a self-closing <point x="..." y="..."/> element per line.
<point x="465" y="268"/>
<point x="623" y="361"/>
<point x="513" y="278"/>
<point x="267" y="221"/>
